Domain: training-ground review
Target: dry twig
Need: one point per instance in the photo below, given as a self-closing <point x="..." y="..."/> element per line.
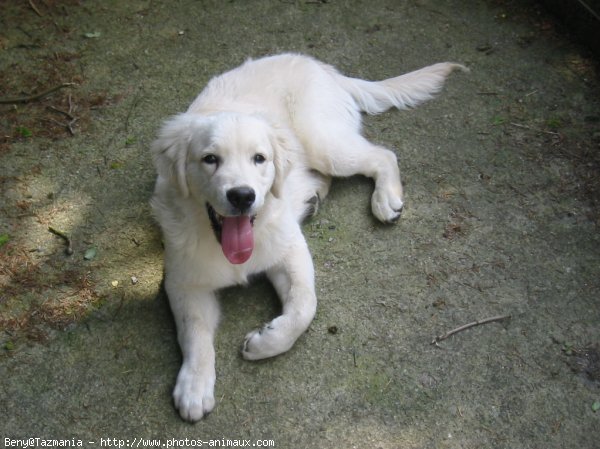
<point x="518" y="125"/>
<point x="34" y="97"/>
<point x="65" y="237"/>
<point x="36" y="10"/>
<point x="439" y="338"/>
<point x="67" y="114"/>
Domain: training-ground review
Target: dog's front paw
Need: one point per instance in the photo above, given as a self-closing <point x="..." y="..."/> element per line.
<point x="386" y="205"/>
<point x="269" y="341"/>
<point x="193" y="394"/>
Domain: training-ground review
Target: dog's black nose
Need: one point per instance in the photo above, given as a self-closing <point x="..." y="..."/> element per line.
<point x="241" y="198"/>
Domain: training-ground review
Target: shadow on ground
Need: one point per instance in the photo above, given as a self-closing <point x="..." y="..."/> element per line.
<point x="501" y="175"/>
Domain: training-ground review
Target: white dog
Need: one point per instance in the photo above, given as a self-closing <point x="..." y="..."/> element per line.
<point x="240" y="170"/>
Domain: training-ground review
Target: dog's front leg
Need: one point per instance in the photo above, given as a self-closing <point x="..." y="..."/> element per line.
<point x="196" y="314"/>
<point x="294" y="281"/>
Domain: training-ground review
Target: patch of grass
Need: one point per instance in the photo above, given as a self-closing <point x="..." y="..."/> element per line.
<point x="496" y="121"/>
<point x="30" y="301"/>
<point x="554" y="123"/>
<point x="46" y="117"/>
<point x="23" y="131"/>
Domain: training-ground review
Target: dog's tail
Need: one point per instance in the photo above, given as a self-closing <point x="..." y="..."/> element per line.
<point x="402" y="92"/>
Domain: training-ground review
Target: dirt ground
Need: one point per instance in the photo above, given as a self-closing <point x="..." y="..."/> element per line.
<point x="502" y="188"/>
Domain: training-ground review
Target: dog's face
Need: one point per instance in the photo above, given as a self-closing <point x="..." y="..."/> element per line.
<point x="234" y="168"/>
<point x="229" y="164"/>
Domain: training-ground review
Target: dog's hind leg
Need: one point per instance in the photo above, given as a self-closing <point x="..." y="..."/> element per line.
<point x="330" y="128"/>
<point x="355" y="155"/>
<point x="306" y="189"/>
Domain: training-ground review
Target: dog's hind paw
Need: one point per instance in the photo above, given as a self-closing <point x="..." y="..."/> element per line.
<point x="312" y="206"/>
<point x="386" y="206"/>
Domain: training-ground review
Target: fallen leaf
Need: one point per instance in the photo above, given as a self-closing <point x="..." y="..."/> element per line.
<point x="90" y="253"/>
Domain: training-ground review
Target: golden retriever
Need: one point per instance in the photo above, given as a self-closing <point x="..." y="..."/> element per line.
<point x="237" y="174"/>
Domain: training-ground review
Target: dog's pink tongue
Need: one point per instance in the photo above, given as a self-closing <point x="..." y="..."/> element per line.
<point x="237" y="239"/>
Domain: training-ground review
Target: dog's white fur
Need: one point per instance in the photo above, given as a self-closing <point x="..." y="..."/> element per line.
<point x="302" y="118"/>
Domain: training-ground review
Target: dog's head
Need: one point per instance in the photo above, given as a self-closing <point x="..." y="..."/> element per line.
<point x="229" y="163"/>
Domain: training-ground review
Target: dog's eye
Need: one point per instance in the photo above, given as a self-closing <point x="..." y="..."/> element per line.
<point x="210" y="159"/>
<point x="259" y="158"/>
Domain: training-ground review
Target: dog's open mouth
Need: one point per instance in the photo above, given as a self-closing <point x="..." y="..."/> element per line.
<point x="235" y="234"/>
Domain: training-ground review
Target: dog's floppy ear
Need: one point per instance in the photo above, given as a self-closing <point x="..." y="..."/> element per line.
<point x="282" y="152"/>
<point x="171" y="147"/>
